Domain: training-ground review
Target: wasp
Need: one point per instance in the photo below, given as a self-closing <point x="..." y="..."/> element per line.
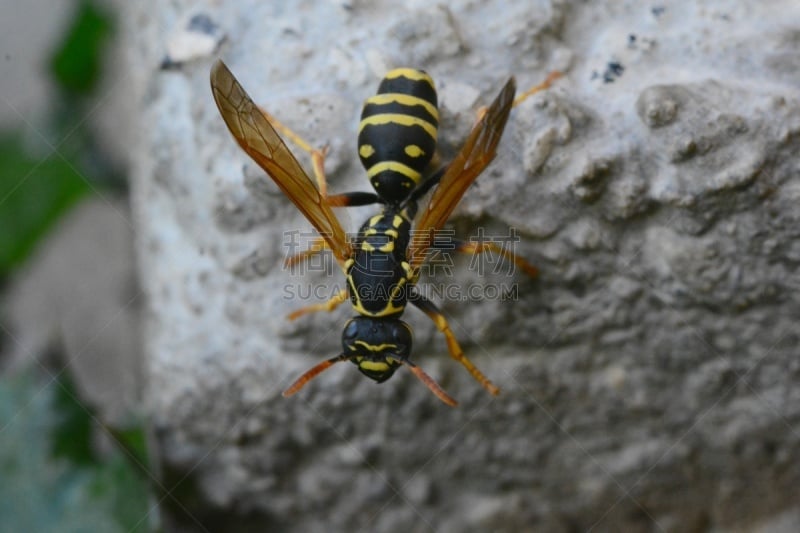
<point x="396" y="143"/>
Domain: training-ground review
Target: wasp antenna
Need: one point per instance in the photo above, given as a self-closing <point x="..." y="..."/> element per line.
<point x="430" y="383"/>
<point x="313" y="372"/>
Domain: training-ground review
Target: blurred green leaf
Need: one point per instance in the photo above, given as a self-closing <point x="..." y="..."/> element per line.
<point x="135" y="442"/>
<point x="76" y="64"/>
<point x="33" y="194"/>
<point x="72" y="431"/>
<point x="127" y="492"/>
<point x="40" y="492"/>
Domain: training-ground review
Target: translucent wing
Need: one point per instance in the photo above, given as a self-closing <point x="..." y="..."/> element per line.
<point x="478" y="151"/>
<point x="254" y="133"/>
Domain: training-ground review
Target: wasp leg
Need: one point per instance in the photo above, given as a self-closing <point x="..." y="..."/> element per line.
<point x="318" y="163"/>
<point x="481" y="247"/>
<point x="317" y="156"/>
<point x="330" y="305"/>
<point x="469" y="247"/>
<point x="313" y="372"/>
<point x="425" y="186"/>
<point x="428" y="307"/>
<point x="352" y="199"/>
<point x="317" y="246"/>
<point x="553" y="76"/>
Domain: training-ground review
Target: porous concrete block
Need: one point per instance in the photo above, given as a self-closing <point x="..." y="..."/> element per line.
<point x="649" y="375"/>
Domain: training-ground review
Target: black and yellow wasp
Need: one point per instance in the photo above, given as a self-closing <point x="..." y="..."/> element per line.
<point x="396" y="143"/>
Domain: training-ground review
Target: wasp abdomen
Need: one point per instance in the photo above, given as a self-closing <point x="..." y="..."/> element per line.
<point x="397" y="133"/>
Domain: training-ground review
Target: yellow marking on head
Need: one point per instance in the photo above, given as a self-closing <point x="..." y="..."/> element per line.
<point x="374" y="366"/>
<point x="404" y="99"/>
<point x="397" y="221"/>
<point x="388" y="247"/>
<point x="412" y="150"/>
<point x="367" y="247"/>
<point x="366" y="150"/>
<point x="374" y="348"/>
<point x="391" y="233"/>
<point x="370" y="231"/>
<point x="374" y="220"/>
<point x="400" y="168"/>
<point x="398" y="118"/>
<point x="410" y="73"/>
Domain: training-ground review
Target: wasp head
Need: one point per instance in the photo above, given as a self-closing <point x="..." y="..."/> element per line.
<point x="378" y="346"/>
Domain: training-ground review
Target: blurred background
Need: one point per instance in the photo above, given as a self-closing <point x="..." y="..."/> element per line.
<point x="72" y="447"/>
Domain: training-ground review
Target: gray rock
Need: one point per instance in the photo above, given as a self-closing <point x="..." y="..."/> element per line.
<point x="649" y="376"/>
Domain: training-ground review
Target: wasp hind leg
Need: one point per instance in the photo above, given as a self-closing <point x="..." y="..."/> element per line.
<point x="552" y="77"/>
<point x="469" y="247"/>
<point x="352" y="199"/>
<point x="318" y="166"/>
<point x="330" y="305"/>
<point x="428" y="307"/>
<point x="317" y="156"/>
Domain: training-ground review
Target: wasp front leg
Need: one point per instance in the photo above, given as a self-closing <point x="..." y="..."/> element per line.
<point x="430" y="309"/>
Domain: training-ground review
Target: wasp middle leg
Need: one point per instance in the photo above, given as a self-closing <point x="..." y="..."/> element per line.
<point x="316" y="246"/>
<point x="336" y="300"/>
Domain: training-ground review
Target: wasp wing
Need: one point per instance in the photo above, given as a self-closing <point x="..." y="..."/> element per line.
<point x="254" y="133"/>
<point x="477" y="152"/>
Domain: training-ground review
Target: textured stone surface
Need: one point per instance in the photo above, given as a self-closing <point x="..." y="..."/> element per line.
<point x="649" y="376"/>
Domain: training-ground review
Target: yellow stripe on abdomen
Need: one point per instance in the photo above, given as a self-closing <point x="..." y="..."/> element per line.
<point x="403" y="99"/>
<point x="395" y="166"/>
<point x="411" y="74"/>
<point x="397" y="118"/>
